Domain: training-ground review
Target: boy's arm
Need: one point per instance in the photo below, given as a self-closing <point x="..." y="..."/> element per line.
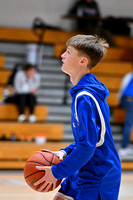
<point x="63" y="152"/>
<point x="85" y="147"/>
<point x="69" y="148"/>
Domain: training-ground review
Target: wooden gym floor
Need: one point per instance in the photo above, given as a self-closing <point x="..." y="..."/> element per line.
<point x="13" y="187"/>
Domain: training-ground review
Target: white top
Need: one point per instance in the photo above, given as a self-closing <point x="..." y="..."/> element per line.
<point x="23" y="84"/>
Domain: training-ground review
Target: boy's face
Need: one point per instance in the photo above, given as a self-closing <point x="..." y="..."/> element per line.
<point x="70" y="60"/>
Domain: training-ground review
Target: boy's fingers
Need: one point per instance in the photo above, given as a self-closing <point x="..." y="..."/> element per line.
<point x="39" y="167"/>
<point x="44" y="168"/>
<point x="43" y="187"/>
<point x="47" y="187"/>
<point x="39" y="181"/>
<point x="54" y="185"/>
<point x="60" y="158"/>
<point x="45" y="150"/>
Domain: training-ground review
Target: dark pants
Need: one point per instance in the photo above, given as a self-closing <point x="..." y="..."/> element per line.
<point x="23" y="100"/>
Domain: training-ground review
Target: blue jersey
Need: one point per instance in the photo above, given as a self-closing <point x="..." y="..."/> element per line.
<point x="126" y="88"/>
<point x="92" y="165"/>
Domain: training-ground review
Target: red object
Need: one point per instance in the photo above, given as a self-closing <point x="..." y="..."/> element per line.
<point x="31" y="174"/>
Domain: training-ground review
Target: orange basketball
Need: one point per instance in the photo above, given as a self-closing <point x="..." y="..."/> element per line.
<point x="31" y="174"/>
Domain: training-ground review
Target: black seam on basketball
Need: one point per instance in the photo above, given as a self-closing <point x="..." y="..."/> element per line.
<point x="45" y="158"/>
<point x="52" y="160"/>
<point x="38" y="186"/>
<point x="36" y="163"/>
<point x="34" y="173"/>
<point x="52" y="186"/>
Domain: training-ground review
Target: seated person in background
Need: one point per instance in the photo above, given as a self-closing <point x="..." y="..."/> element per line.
<point x="86" y="8"/>
<point x="26" y="83"/>
<point x="90" y="8"/>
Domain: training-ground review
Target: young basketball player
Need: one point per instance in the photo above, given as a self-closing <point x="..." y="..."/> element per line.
<point x="91" y="165"/>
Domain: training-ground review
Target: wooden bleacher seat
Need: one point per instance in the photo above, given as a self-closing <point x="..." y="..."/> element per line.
<point x="10" y="112"/>
<point x="112" y="83"/>
<point x="17" y="35"/>
<point x="13" y="155"/>
<point x="119" y="115"/>
<point x="52" y="131"/>
<point x="127" y="165"/>
<point x="1" y="91"/>
<point x="123" y="41"/>
<point x="4" y="76"/>
<point x="27" y="35"/>
<point x="53" y="37"/>
<point x="113" y="68"/>
<point x="2" y="61"/>
<point x="59" y="49"/>
<point x="21" y="151"/>
<point x="112" y="100"/>
<point x="118" y="54"/>
<point x="110" y="73"/>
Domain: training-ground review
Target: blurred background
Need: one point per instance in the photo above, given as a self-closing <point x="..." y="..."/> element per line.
<point x="21" y="13"/>
<point x="35" y="33"/>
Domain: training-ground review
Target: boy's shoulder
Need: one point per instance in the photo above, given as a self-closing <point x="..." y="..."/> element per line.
<point x="84" y="98"/>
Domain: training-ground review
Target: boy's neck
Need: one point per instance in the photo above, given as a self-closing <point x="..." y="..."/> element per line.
<point x="75" y="79"/>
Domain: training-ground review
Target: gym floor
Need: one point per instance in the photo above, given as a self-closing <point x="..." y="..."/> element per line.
<point x="13" y="187"/>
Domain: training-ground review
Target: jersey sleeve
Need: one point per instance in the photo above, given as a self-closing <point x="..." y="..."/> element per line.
<point x="88" y="137"/>
<point x="69" y="148"/>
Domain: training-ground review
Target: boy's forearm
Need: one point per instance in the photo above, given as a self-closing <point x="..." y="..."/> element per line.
<point x="69" y="148"/>
<point x="80" y="155"/>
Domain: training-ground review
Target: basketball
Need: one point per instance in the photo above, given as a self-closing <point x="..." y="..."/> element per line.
<point x="31" y="174"/>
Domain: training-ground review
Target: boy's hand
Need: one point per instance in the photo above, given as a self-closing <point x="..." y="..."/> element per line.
<point x="48" y="179"/>
<point x="60" y="154"/>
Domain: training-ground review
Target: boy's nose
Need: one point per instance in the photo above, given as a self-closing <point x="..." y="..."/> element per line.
<point x="63" y="55"/>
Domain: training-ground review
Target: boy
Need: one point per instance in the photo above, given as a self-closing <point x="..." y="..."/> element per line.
<point x="91" y="165"/>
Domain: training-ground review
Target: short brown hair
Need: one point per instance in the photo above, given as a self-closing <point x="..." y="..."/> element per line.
<point x="91" y="46"/>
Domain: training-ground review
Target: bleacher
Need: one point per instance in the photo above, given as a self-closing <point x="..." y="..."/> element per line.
<point x="53" y="117"/>
<point x="9" y="112"/>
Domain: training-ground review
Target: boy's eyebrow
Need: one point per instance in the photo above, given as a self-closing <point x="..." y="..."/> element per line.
<point x="69" y="48"/>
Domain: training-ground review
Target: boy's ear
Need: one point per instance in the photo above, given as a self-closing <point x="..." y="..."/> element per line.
<point x="84" y="61"/>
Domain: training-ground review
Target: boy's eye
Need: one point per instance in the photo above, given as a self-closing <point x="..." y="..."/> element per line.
<point x="68" y="51"/>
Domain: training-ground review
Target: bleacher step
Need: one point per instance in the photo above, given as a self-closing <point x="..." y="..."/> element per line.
<point x="21" y="49"/>
<point x="59" y="109"/>
<point x="10" y="112"/>
<point x="18" y="152"/>
<point x="52" y="131"/>
<point x="58" y="118"/>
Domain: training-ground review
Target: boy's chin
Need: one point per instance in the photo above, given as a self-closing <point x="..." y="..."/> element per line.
<point x="62" y="68"/>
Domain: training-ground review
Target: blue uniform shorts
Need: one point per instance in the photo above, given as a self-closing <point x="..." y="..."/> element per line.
<point x="106" y="190"/>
